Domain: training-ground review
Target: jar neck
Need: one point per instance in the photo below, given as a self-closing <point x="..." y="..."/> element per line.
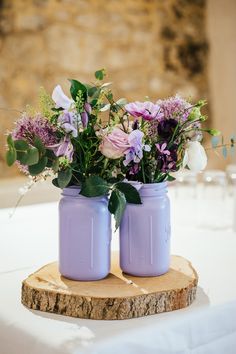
<point x="74" y="192"/>
<point x="153" y="189"/>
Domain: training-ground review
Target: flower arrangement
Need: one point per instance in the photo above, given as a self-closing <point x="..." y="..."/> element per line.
<point x="100" y="144"/>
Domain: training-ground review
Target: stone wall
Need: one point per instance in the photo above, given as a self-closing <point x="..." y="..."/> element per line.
<point x="150" y="48"/>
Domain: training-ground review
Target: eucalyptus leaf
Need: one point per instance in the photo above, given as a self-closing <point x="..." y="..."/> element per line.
<point x="11" y="156"/>
<point x="36" y="169"/>
<point x="224" y="151"/>
<point x="21" y="145"/>
<point x="99" y="74"/>
<point x="116" y="206"/>
<point x="130" y="192"/>
<point x="94" y="186"/>
<point x="10" y="141"/>
<point x="30" y="157"/>
<point x="39" y="145"/>
<point x="64" y="177"/>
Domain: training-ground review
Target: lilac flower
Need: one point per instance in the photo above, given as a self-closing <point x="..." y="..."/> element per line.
<point x="61" y="100"/>
<point x="27" y="128"/>
<point x="88" y="108"/>
<point x="69" y="122"/>
<point x="147" y="110"/>
<point x="64" y="148"/>
<point x="175" y="107"/>
<point x="135" y="152"/>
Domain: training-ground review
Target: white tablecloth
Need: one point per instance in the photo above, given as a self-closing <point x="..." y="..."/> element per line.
<point x="29" y="240"/>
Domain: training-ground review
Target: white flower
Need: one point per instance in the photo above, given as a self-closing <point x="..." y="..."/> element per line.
<point x="61" y="100"/>
<point x="195" y="156"/>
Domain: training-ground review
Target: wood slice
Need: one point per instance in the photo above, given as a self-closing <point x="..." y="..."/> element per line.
<point x="118" y="296"/>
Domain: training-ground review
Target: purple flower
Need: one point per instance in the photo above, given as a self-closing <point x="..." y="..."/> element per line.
<point x="166" y="128"/>
<point x="162" y="149"/>
<point x="64" y="148"/>
<point x="27" y="128"/>
<point x="167" y="158"/>
<point x="175" y="107"/>
<point x="88" y="108"/>
<point x="84" y="118"/>
<point x="69" y="122"/>
<point x="135" y="152"/>
<point x="147" y="110"/>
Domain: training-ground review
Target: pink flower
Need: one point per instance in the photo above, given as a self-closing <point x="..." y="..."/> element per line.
<point x="162" y="149"/>
<point x="147" y="110"/>
<point x="115" y="144"/>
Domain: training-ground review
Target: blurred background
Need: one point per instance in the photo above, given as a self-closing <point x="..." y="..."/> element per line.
<point x="152" y="48"/>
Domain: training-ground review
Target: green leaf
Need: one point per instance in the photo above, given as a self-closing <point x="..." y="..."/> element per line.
<point x="116" y="205"/>
<point x="55" y="182"/>
<point x="130" y="192"/>
<point x="94" y="186"/>
<point x="10" y="141"/>
<point x="64" y="177"/>
<point x="36" y="169"/>
<point x="170" y="178"/>
<point x="29" y="157"/>
<point x="99" y="74"/>
<point x="11" y="156"/>
<point x="39" y="145"/>
<point x="92" y="91"/>
<point x="75" y="87"/>
<point x="55" y="165"/>
<point x="21" y="145"/>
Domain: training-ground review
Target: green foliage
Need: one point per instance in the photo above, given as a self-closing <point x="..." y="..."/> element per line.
<point x="64" y="177"/>
<point x="37" y="168"/>
<point x="46" y="103"/>
<point x="75" y="87"/>
<point x="94" y="186"/>
<point x="130" y="192"/>
<point x="100" y="74"/>
<point x="11" y="156"/>
<point x="116" y="205"/>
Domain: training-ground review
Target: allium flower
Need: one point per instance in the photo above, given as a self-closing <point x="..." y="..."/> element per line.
<point x="175" y="107"/>
<point x="147" y="110"/>
<point x="27" y="128"/>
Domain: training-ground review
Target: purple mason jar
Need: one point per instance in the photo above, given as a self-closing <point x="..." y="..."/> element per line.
<point x="145" y="233"/>
<point x="84" y="236"/>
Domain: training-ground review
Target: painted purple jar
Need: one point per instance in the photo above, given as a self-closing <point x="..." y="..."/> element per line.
<point x="145" y="233"/>
<point x="84" y="236"/>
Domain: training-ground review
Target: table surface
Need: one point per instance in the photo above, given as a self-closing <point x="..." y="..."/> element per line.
<point x="28" y="240"/>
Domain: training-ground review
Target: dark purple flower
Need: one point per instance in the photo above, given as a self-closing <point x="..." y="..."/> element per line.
<point x="166" y="128"/>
